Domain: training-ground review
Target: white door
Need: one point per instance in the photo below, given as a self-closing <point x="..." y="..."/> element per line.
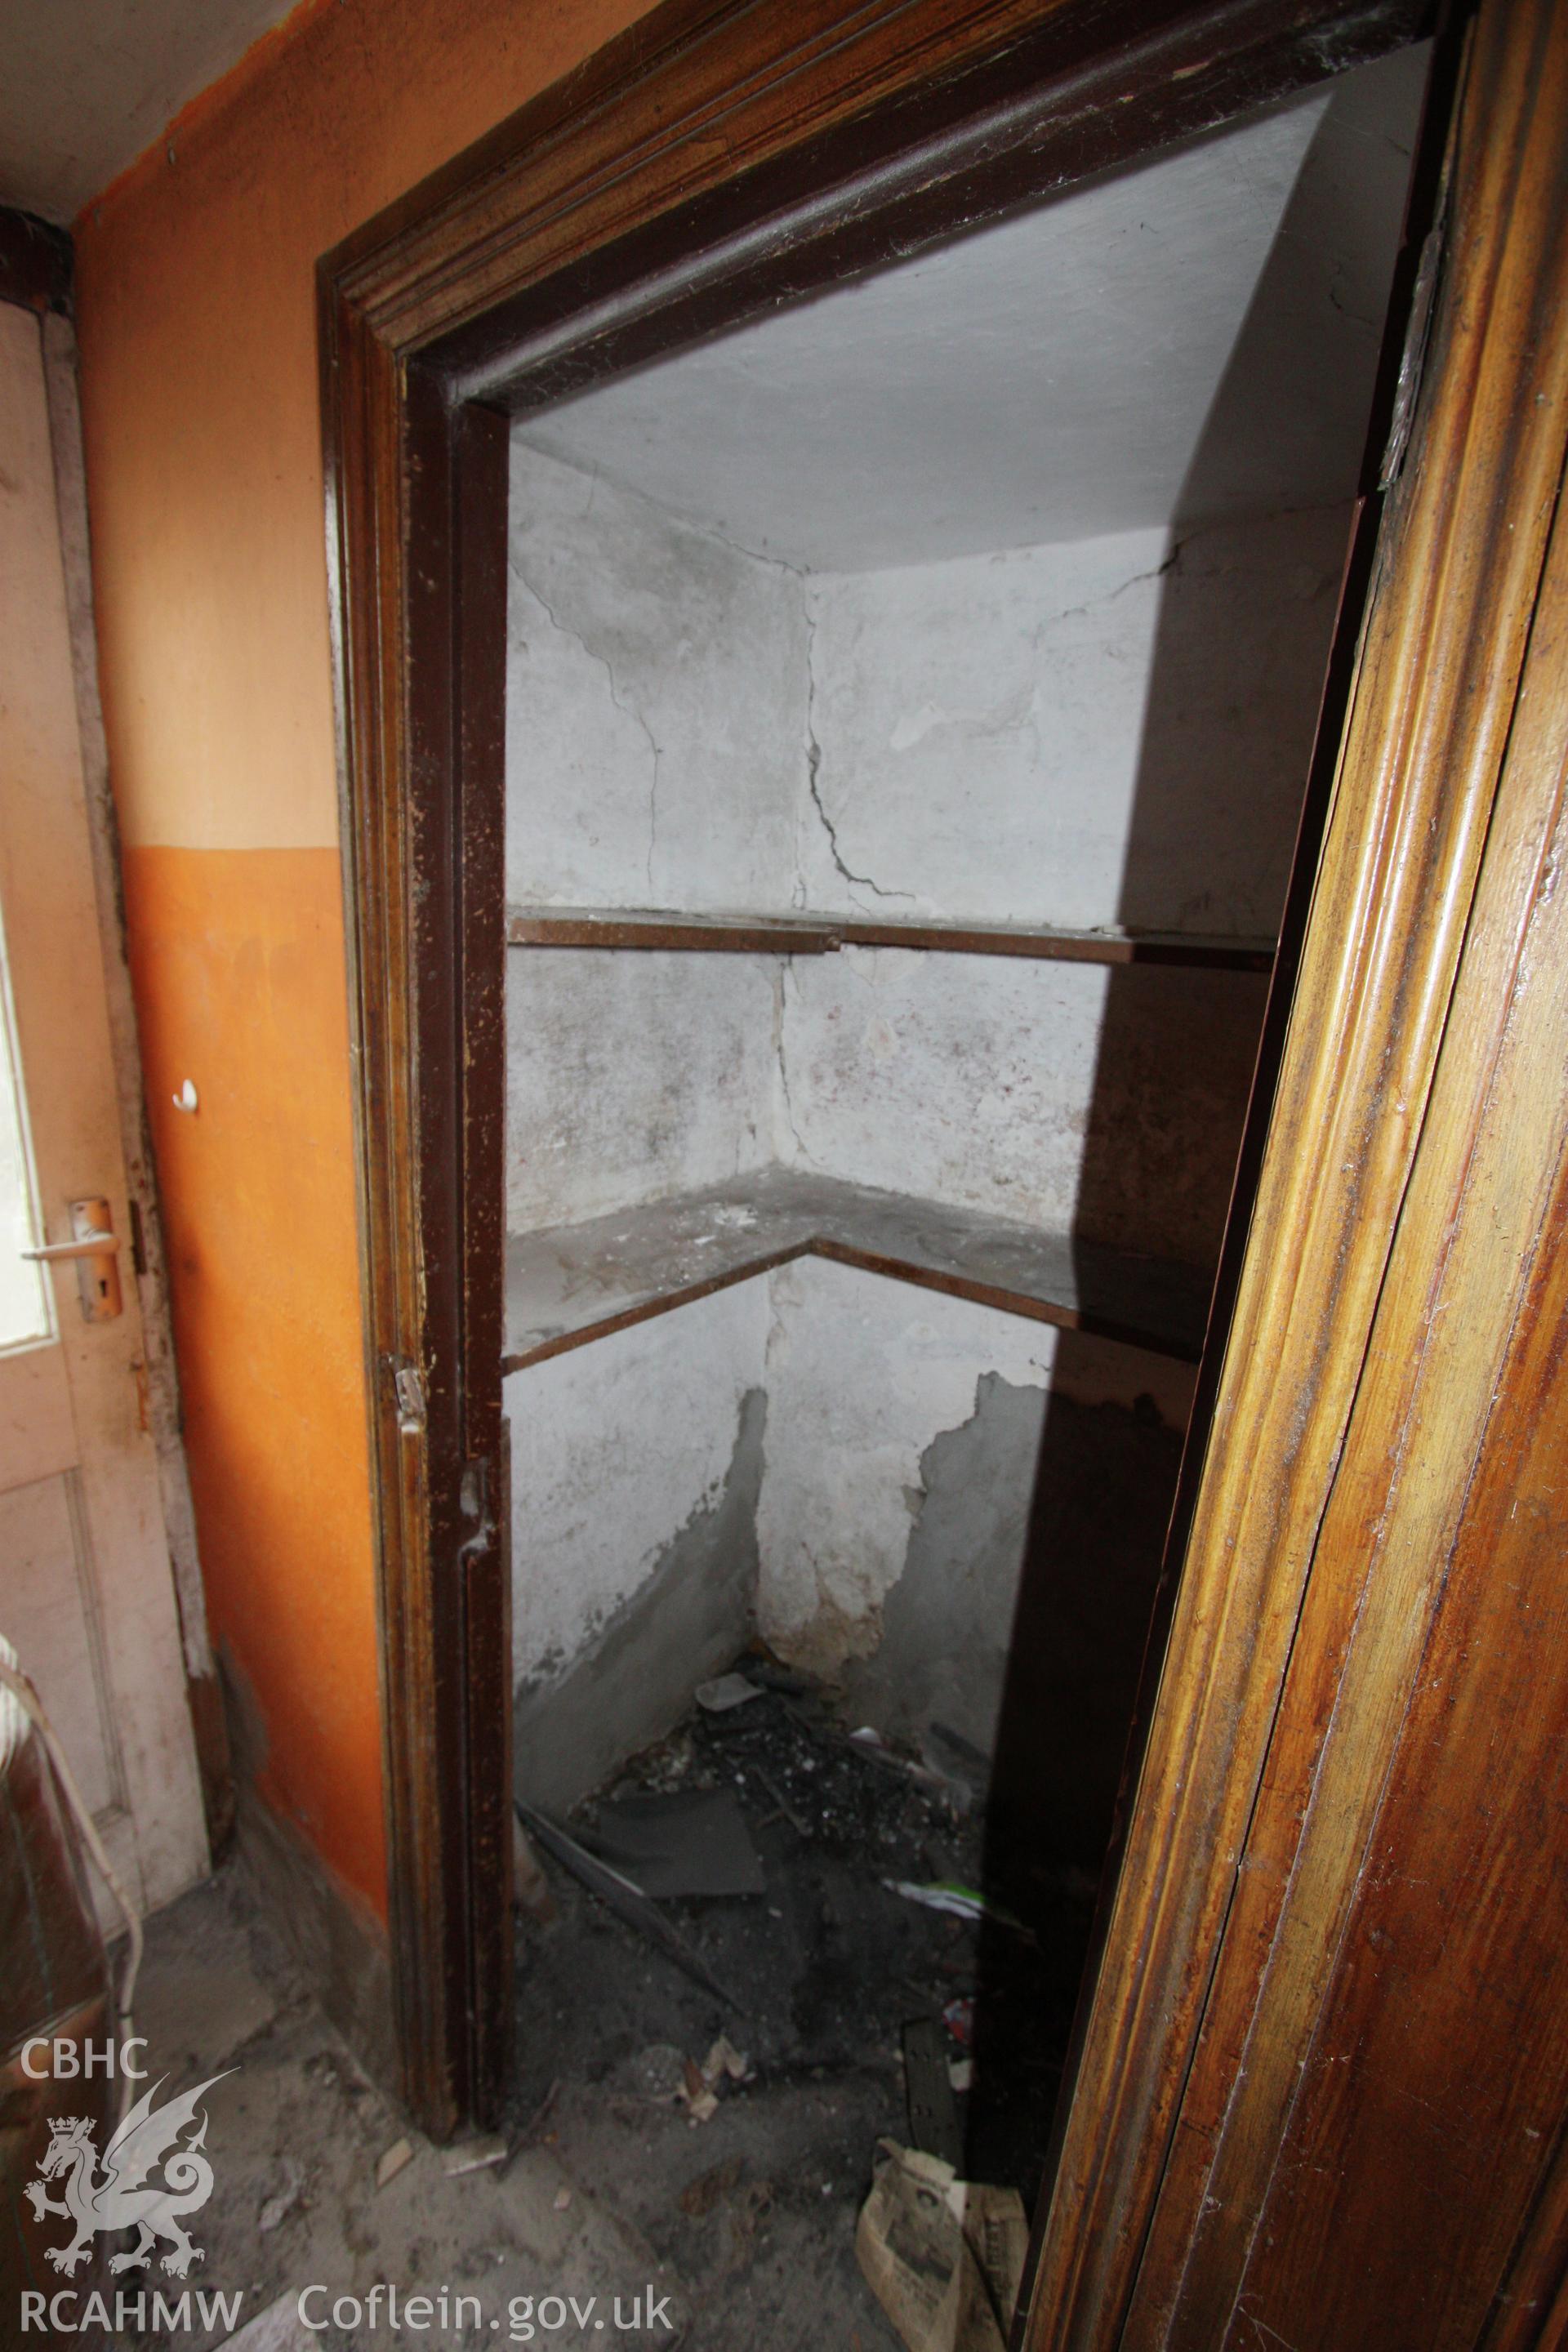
<point x="87" y="1593"/>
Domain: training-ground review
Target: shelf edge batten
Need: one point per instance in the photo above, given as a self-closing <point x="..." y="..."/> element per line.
<point x="650" y="930"/>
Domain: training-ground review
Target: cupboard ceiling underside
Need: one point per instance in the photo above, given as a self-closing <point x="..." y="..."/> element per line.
<point x="1128" y="354"/>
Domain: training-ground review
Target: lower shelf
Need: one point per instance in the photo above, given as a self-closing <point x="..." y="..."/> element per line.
<point x="566" y="1284"/>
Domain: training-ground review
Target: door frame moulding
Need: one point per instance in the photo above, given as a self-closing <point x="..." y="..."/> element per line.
<point x="1390" y="1375"/>
<point x="718" y="157"/>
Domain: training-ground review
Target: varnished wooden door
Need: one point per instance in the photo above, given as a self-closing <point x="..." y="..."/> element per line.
<point x="1324" y="2087"/>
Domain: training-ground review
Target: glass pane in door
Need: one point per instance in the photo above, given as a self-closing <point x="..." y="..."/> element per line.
<point x="24" y="1304"/>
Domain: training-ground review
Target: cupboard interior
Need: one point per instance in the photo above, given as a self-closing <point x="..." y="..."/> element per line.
<point x="910" y="701"/>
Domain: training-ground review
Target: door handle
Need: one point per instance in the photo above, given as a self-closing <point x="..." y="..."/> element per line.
<point x="94" y="1245"/>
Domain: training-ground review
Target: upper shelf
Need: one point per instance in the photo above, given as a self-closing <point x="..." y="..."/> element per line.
<point x="609" y="927"/>
<point x="566" y="1284"/>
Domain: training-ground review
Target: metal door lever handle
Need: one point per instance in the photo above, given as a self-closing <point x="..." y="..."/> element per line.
<point x="94" y="1247"/>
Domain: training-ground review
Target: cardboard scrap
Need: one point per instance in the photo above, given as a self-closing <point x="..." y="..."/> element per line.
<point x="943" y="2257"/>
<point x="622" y="1897"/>
<point x="700" y="2086"/>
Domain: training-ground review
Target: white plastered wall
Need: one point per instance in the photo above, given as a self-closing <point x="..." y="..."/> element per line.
<point x="655" y="703"/>
<point x="632" y="1076"/>
<point x="693" y="727"/>
<point x="1109" y="734"/>
<point x="615" y="1449"/>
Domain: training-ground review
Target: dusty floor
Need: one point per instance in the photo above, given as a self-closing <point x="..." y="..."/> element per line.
<point x="740" y="2229"/>
<point x="295" y="2135"/>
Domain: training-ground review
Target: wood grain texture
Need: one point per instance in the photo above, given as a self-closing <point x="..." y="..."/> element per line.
<point x="1295" y="2121"/>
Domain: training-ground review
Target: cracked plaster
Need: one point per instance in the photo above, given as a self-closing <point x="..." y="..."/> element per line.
<point x="1103" y="733"/>
<point x="964" y="738"/>
<point x="655" y="706"/>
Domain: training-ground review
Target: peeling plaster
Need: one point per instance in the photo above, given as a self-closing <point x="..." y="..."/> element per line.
<point x="863" y="1374"/>
<point x="632" y="1676"/>
<point x="1100" y="732"/>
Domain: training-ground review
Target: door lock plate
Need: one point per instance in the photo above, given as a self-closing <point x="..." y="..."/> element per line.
<point x="94" y="1245"/>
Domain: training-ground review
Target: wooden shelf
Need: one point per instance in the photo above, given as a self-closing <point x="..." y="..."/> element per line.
<point x="594" y="927"/>
<point x="567" y="1284"/>
<point x="597" y="926"/>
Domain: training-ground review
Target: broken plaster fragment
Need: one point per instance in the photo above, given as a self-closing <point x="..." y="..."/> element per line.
<point x="723" y="1692"/>
<point x="278" y="2208"/>
<point x="700" y="2085"/>
<point x="723" y="2059"/>
<point x="474" y="2155"/>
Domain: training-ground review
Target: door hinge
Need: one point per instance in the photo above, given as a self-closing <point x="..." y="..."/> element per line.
<point x="410" y="1390"/>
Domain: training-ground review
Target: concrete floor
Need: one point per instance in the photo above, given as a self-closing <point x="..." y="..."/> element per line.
<point x="740" y="2231"/>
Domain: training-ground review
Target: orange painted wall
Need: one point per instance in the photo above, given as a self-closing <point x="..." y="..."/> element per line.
<point x="196" y="320"/>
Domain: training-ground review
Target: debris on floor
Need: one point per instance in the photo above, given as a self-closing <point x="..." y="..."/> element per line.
<point x="751" y="2182"/>
<point x="279" y="2329"/>
<point x="218" y="1997"/>
<point x="601" y="2178"/>
<point x="944" y="2257"/>
<point x="700" y="2084"/>
<point x="934" y="2122"/>
<point x="625" y="1897"/>
<point x="725" y="1691"/>
<point x="687" y="1842"/>
<point x="960" y="1901"/>
<point x="475" y="2155"/>
<point x="530" y="1886"/>
<point x="283" y="2200"/>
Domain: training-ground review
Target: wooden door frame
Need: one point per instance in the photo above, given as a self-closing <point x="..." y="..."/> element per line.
<point x="720" y="155"/>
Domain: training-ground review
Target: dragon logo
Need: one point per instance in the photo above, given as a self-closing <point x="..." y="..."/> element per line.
<point x="148" y="2137"/>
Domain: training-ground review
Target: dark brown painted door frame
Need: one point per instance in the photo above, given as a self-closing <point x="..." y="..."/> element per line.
<point x="712" y="160"/>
